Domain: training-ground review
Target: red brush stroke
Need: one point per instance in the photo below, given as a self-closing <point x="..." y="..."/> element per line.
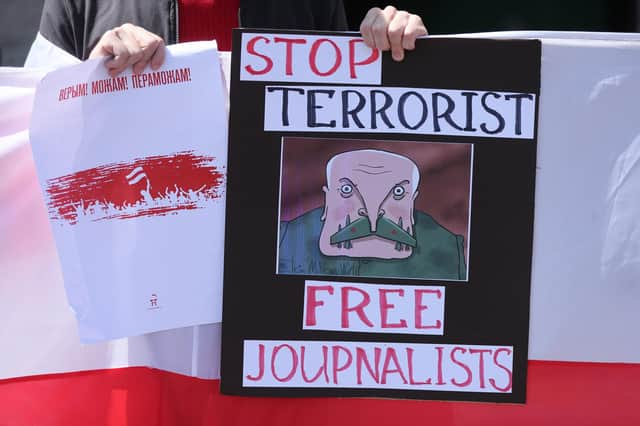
<point x="108" y="185"/>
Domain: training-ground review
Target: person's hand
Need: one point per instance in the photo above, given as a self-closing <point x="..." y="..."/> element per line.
<point x="391" y="29"/>
<point x="129" y="45"/>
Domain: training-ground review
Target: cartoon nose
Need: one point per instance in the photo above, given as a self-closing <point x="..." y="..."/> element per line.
<point x="373" y="221"/>
<point x="362" y="211"/>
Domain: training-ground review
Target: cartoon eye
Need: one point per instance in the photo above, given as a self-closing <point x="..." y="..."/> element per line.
<point x="398" y="191"/>
<point x="346" y="190"/>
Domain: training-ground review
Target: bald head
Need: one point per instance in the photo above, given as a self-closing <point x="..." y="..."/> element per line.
<point x="374" y="163"/>
<point x="373" y="185"/>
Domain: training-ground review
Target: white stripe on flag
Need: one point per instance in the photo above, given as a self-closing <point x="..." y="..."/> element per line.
<point x="138" y="178"/>
<point x="135" y="172"/>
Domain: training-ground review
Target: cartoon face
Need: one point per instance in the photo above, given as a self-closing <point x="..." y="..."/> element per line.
<point x="369" y="201"/>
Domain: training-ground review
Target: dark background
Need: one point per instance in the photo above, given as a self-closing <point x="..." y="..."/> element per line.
<point x="458" y="16"/>
<point x="19" y="18"/>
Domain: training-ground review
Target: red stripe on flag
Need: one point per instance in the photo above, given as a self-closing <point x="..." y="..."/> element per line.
<point x="559" y="393"/>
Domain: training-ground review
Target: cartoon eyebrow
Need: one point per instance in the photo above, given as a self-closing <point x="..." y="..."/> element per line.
<point x="349" y="181"/>
<point x="403" y="182"/>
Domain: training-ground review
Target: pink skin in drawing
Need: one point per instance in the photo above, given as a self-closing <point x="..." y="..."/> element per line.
<point x="369" y="184"/>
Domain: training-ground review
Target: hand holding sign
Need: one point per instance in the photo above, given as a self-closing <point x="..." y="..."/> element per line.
<point x="129" y="45"/>
<point x="392" y="29"/>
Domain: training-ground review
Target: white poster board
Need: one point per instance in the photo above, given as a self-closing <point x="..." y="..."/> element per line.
<point x="133" y="172"/>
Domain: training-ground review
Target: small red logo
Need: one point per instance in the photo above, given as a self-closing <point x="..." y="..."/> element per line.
<point x="153" y="301"/>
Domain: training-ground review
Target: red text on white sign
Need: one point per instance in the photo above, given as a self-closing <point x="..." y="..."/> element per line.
<point x="373" y="308"/>
<point x="305" y="58"/>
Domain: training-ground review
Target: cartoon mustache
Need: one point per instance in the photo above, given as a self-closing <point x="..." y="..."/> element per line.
<point x="361" y="228"/>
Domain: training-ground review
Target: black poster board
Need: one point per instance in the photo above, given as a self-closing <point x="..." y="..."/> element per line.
<point x="379" y="218"/>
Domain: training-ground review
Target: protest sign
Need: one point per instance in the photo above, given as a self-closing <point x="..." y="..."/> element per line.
<point x="379" y="218"/>
<point x="132" y="170"/>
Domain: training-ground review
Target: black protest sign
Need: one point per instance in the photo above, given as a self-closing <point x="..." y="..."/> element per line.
<point x="379" y="218"/>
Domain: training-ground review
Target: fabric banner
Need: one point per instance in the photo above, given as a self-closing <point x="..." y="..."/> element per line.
<point x="584" y="295"/>
<point x="558" y="393"/>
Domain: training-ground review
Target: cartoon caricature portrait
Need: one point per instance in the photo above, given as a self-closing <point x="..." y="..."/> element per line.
<point x="368" y="209"/>
<point x="368" y="224"/>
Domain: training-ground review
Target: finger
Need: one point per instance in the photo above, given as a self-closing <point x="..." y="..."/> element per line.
<point x="396" y="32"/>
<point x="133" y="49"/>
<point x="105" y="45"/>
<point x="147" y="53"/>
<point x="117" y="63"/>
<point x="111" y="45"/>
<point x="152" y="48"/>
<point x="158" y="56"/>
<point x="414" y="29"/>
<point x="366" y="26"/>
<point x="119" y="54"/>
<point x="380" y="26"/>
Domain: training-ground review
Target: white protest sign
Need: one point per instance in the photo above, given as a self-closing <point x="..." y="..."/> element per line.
<point x="399" y="110"/>
<point x="329" y="364"/>
<point x="310" y="58"/>
<point x="373" y="308"/>
<point x="133" y="172"/>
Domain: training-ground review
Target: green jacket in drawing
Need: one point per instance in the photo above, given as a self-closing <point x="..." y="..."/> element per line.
<point x="438" y="253"/>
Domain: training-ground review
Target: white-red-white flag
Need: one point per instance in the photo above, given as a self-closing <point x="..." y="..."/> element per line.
<point x="585" y="293"/>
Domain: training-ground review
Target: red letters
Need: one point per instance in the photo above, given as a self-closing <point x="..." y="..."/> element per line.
<point x="361" y="358"/>
<point x="289" y="54"/>
<point x="251" y="49"/>
<point x="313" y="57"/>
<point x="322" y="369"/>
<point x="385" y="306"/>
<point x="385" y="365"/>
<point x="313" y="303"/>
<point x="506" y="388"/>
<point x="375" y="53"/>
<point x="260" y="364"/>
<point x="480" y="363"/>
<point x="336" y="361"/>
<point x="410" y="365"/>
<point x="440" y="381"/>
<point x="294" y="363"/>
<point x="382" y="308"/>
<point x="420" y="307"/>
<point x="359" y="308"/>
<point x="391" y="357"/>
<point x="284" y="58"/>
<point x="463" y="365"/>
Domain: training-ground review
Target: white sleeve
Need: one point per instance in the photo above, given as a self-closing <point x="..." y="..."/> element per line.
<point x="44" y="54"/>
